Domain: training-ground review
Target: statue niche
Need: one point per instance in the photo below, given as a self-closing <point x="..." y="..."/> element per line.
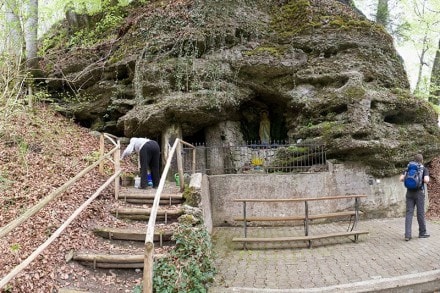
<point x="264" y="130"/>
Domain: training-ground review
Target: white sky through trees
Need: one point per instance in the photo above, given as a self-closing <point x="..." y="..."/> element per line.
<point x="401" y="11"/>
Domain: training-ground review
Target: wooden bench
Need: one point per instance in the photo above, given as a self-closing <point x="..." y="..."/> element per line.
<point x="306" y="218"/>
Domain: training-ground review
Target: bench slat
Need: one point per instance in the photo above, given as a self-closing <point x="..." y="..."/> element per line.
<point x="334" y="215"/>
<point x="299" y="218"/>
<point x="299" y="238"/>
<point x="298" y="199"/>
<point x="253" y="219"/>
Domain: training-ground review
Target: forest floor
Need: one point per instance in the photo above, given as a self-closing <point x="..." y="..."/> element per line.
<point x="41" y="151"/>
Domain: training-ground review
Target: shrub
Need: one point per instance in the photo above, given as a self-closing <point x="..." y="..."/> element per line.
<point x="190" y="265"/>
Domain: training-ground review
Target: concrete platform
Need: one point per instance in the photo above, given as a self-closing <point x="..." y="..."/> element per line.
<point x="381" y="261"/>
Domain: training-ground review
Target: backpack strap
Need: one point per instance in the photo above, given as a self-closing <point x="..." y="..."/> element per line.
<point x="422" y="172"/>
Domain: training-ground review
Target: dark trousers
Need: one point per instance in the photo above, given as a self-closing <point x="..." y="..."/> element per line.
<point x="415" y="199"/>
<point x="149" y="157"/>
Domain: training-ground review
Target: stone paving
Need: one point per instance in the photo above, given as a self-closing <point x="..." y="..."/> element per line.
<point x="378" y="262"/>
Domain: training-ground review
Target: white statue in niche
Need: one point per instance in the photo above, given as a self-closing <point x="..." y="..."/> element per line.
<point x="264" y="131"/>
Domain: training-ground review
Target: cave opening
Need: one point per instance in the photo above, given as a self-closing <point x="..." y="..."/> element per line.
<point x="256" y="129"/>
<point x="196" y="139"/>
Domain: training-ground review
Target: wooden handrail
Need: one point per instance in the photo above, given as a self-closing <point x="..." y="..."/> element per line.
<point x="33" y="210"/>
<point x="149" y="245"/>
<point x="57" y="233"/>
<point x="116" y="157"/>
<point x="297" y="199"/>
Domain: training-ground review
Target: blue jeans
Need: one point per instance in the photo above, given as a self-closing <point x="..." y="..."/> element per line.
<point x="415" y="198"/>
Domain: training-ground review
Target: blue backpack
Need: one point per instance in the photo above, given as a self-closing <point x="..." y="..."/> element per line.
<point x="414" y="176"/>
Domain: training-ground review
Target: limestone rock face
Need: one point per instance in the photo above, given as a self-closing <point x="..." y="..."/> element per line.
<point x="322" y="71"/>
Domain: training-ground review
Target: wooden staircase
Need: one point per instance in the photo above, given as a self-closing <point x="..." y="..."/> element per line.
<point x="127" y="243"/>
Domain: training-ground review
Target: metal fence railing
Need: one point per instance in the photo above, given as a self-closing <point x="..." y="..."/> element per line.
<point x="256" y="158"/>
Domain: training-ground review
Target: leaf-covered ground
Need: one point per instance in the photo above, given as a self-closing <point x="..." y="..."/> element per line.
<point x="39" y="154"/>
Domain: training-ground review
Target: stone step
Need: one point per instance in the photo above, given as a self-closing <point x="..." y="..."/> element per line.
<point x="112" y="261"/>
<point x="131" y="234"/>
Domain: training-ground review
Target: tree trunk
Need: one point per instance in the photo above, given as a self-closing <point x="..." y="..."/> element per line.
<point x="31" y="33"/>
<point x="351" y="4"/>
<point x="422" y="63"/>
<point x="383" y="13"/>
<point x="14" y="40"/>
<point x="434" y="89"/>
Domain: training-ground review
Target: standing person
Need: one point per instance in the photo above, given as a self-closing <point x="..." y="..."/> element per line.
<point x="149" y="155"/>
<point x="416" y="197"/>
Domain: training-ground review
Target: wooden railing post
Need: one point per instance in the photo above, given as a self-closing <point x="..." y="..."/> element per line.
<point x="101" y="153"/>
<point x="148" y="268"/>
<point x="180" y="166"/>
<point x="117" y="163"/>
<point x="148" y="271"/>
<point x="149" y="245"/>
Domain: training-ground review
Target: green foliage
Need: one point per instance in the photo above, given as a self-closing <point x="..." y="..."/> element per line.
<point x="189" y="266"/>
<point x="192" y="198"/>
<point x="355" y="92"/>
<point x="137" y="289"/>
<point x="86" y="37"/>
<point x="268" y="49"/>
<point x="298" y="16"/>
<point x="50" y="42"/>
<point x="110" y="19"/>
<point x="292" y="18"/>
<point x="286" y="158"/>
<point x="15" y="248"/>
<point x="383" y="14"/>
<point x="12" y="82"/>
<point x="4" y="181"/>
<point x="92" y="157"/>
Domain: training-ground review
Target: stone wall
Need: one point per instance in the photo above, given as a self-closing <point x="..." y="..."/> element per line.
<point x="200" y="183"/>
<point x="385" y="196"/>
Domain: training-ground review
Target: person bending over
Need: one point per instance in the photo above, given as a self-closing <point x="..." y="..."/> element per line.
<point x="149" y="158"/>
